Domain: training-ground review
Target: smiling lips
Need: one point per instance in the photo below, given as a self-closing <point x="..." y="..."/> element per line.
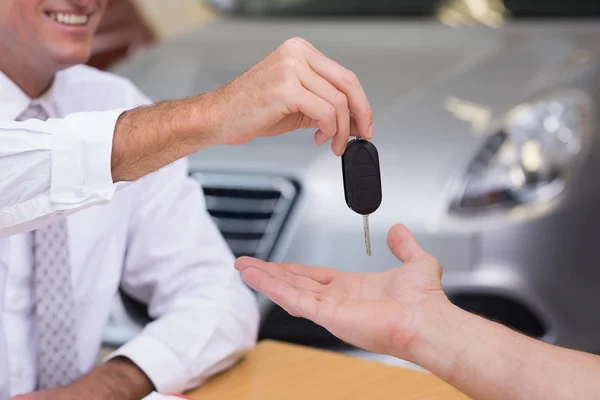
<point x="69" y="19"/>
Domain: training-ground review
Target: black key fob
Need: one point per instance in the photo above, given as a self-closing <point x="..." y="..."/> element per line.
<point x="362" y="177"/>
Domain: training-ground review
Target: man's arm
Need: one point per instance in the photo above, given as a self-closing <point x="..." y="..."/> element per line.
<point x="117" y="379"/>
<point x="404" y="312"/>
<point x="178" y="263"/>
<point x="294" y="87"/>
<point x="49" y="169"/>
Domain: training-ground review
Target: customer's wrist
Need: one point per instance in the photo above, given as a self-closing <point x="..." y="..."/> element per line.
<point x="428" y="318"/>
<point x="438" y="342"/>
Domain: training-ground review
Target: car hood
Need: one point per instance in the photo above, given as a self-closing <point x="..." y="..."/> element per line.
<point x="435" y="91"/>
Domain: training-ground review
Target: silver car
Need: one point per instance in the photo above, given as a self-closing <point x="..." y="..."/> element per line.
<point x="486" y="121"/>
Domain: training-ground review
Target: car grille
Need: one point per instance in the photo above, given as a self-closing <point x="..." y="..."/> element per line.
<point x="250" y="210"/>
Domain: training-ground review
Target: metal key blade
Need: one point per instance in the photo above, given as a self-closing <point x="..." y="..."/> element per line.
<point x="367" y="234"/>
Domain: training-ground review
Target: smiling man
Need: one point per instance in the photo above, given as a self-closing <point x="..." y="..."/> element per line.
<point x="58" y="282"/>
<point x="77" y="224"/>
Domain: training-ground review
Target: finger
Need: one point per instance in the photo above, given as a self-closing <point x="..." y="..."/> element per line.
<point x="319" y="110"/>
<point x="403" y="244"/>
<point x="274" y="289"/>
<point x="340" y="140"/>
<point x="353" y="132"/>
<point x="298" y="302"/>
<point x="322" y="275"/>
<point x="310" y="45"/>
<point x="246" y="262"/>
<point x="325" y="90"/>
<point x="278" y="271"/>
<point x="347" y="82"/>
<point x="353" y="127"/>
<point x="320" y="137"/>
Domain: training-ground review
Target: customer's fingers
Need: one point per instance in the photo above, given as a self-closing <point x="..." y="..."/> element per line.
<point x="297" y="302"/>
<point x="279" y="271"/>
<point x="323" y="275"/>
<point x="403" y="244"/>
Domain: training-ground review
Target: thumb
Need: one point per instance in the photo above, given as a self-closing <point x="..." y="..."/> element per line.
<point x="403" y="244"/>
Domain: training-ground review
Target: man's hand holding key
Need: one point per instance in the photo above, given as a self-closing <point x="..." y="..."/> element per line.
<point x="294" y="87"/>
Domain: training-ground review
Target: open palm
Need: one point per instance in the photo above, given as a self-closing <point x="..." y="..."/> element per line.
<point x="374" y="311"/>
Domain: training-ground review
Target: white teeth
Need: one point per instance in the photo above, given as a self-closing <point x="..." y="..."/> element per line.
<point x="69" y="19"/>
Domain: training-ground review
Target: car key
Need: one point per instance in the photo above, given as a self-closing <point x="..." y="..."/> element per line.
<point x="362" y="181"/>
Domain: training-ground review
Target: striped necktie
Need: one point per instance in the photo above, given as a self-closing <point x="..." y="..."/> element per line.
<point x="57" y="357"/>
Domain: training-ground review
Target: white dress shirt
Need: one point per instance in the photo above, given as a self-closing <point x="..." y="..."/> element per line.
<point x="153" y="238"/>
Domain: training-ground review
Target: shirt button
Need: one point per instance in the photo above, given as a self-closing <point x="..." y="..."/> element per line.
<point x="83" y="191"/>
<point x="6" y="218"/>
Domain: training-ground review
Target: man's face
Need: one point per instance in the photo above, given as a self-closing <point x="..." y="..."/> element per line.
<point x="54" y="31"/>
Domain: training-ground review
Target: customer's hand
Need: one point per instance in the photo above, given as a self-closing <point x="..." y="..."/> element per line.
<point x="296" y="86"/>
<point x="379" y="312"/>
<point x="403" y="312"/>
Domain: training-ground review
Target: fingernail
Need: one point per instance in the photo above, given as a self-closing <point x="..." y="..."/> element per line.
<point x="371" y="131"/>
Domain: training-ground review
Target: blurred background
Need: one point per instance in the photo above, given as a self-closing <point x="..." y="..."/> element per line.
<point x="130" y="26"/>
<point x="486" y="121"/>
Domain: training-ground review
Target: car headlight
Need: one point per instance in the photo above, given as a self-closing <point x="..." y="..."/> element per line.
<point x="533" y="156"/>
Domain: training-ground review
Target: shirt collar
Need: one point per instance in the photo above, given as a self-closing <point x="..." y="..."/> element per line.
<point x="13" y="101"/>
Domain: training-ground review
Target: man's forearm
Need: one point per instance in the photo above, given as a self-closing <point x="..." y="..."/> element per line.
<point x="294" y="87"/>
<point x="118" y="379"/>
<point x="148" y="138"/>
<point x="488" y="361"/>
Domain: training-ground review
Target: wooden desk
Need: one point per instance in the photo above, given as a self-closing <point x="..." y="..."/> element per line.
<point x="274" y="371"/>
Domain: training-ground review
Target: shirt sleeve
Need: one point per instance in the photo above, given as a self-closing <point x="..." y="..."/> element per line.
<point x="53" y="168"/>
<point x="205" y="318"/>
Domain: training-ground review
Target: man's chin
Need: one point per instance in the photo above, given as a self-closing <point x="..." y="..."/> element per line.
<point x="66" y="57"/>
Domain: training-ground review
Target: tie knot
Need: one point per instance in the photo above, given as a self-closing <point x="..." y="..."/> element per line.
<point x="34" y="111"/>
